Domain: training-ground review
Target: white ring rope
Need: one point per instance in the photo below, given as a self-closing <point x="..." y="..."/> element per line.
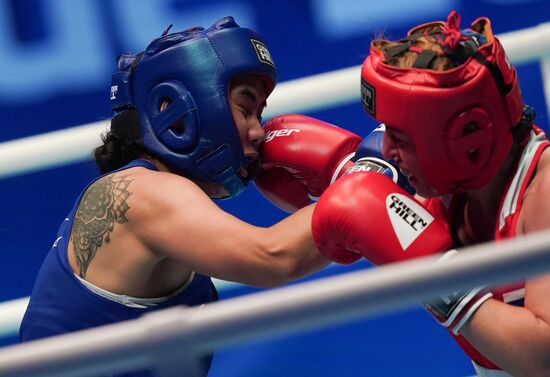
<point x="165" y="337"/>
<point x="303" y="95"/>
<point x="11" y="314"/>
<point x="308" y="94"/>
<point x="12" y="311"/>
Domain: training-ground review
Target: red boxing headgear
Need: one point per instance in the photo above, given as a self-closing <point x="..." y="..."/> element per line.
<point x="436" y="109"/>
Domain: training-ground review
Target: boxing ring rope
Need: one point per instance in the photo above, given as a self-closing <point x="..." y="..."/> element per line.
<point x="302" y="95"/>
<point x="11" y="312"/>
<point x="307" y="94"/>
<point x="75" y="144"/>
<point x="165" y="339"/>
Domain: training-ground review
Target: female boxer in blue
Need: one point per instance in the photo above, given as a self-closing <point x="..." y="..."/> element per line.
<point x="146" y="235"/>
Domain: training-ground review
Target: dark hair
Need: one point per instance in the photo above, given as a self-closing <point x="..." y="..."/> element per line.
<point x="427" y="50"/>
<point x="121" y="144"/>
<point x="522" y="130"/>
<point x="407" y="52"/>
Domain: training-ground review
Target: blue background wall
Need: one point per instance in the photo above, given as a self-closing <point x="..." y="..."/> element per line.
<point x="56" y="58"/>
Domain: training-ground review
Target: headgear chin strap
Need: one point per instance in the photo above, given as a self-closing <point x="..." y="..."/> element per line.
<point x="192" y="70"/>
<point x="458" y="119"/>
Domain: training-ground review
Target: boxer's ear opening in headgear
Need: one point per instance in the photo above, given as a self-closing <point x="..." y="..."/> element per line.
<point x="472" y="153"/>
<point x="178" y="127"/>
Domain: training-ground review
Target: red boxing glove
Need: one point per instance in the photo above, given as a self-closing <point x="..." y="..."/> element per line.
<point x="300" y="158"/>
<point x="367" y="214"/>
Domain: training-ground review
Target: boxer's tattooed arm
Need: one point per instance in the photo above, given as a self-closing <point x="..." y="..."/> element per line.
<point x="103" y="204"/>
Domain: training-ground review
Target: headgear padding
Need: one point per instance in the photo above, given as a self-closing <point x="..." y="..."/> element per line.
<point x="437" y="109"/>
<point x="192" y="70"/>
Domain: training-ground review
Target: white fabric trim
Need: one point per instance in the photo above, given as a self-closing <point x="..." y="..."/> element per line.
<point x="485" y="372"/>
<point x="513" y="295"/>
<point x="463" y="303"/>
<point x="509" y="205"/>
<point x="313" y="198"/>
<point x="340" y="167"/>
<point x="335" y="174"/>
<point x="466" y="317"/>
<point x="133" y="302"/>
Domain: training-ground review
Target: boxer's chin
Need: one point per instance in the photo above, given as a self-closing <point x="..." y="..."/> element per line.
<point x="250" y="172"/>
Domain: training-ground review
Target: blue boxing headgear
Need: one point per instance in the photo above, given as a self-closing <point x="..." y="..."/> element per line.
<point x="192" y="69"/>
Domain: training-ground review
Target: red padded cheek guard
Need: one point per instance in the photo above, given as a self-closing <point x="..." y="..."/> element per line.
<point x="433" y="108"/>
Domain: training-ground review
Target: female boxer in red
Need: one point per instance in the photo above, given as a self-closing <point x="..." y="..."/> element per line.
<point x="458" y="129"/>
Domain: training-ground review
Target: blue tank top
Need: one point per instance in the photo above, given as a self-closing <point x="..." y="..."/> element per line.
<point x="60" y="303"/>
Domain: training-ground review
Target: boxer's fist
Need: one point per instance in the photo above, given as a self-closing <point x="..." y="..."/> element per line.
<point x="368" y="157"/>
<point x="300" y="158"/>
<point x="369" y="215"/>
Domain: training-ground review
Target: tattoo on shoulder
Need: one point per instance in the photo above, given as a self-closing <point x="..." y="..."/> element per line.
<point x="103" y="204"/>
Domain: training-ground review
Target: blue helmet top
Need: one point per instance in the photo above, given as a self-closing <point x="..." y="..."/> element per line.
<point x="192" y="69"/>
